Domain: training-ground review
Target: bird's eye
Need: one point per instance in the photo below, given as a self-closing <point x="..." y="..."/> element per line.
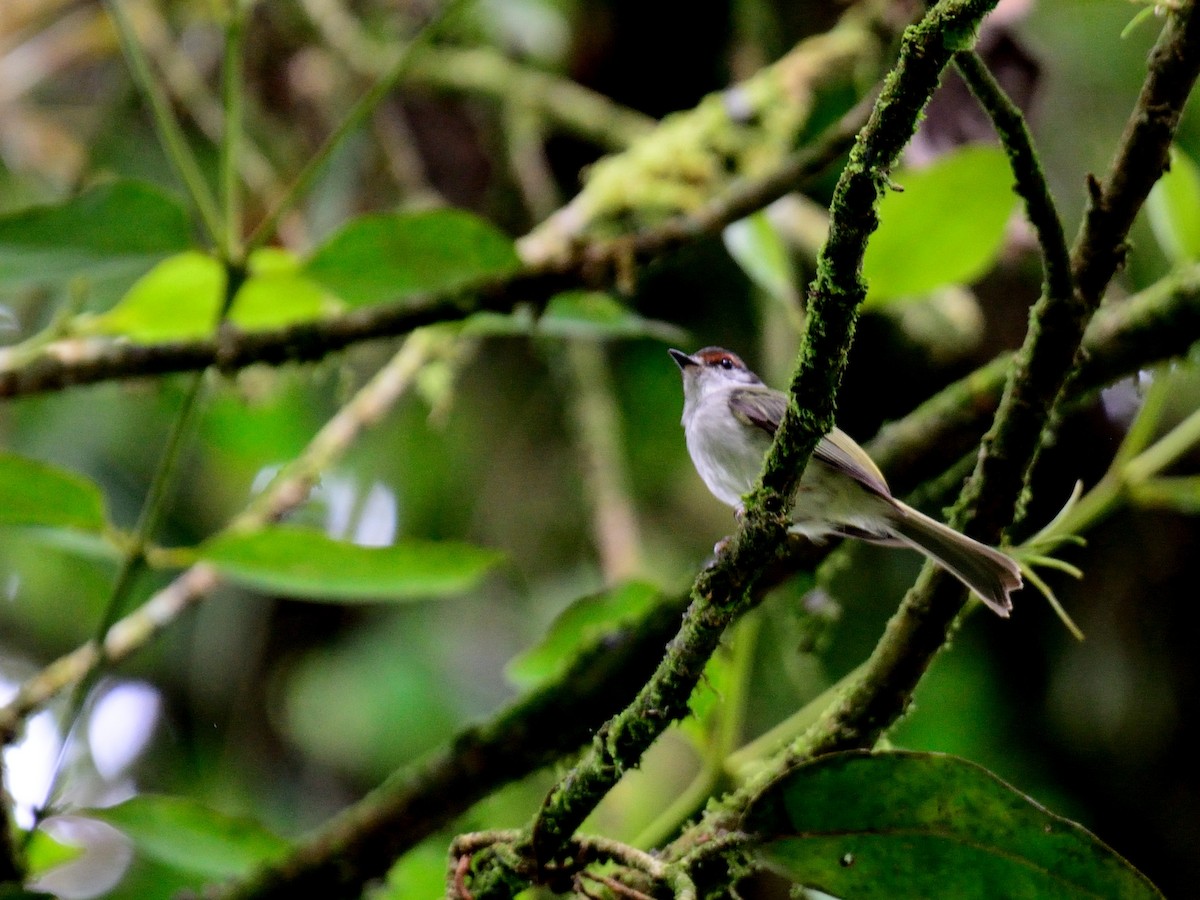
<point x="726" y="362"/>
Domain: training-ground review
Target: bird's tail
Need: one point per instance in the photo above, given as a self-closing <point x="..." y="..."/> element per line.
<point x="988" y="572"/>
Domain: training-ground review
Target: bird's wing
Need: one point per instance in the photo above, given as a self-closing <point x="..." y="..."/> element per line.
<point x="759" y="407"/>
<point x="840" y="451"/>
<point x="763" y="408"/>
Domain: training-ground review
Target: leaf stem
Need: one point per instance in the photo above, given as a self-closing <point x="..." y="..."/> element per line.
<point x="357" y="115"/>
<point x="169" y="130"/>
<point x="232" y="90"/>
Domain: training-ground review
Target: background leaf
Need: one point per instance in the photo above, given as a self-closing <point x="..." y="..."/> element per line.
<point x="306" y="564"/>
<point x="1180" y="493"/>
<point x="381" y="258"/>
<point x="33" y="493"/>
<point x="757" y="247"/>
<point x="1173" y="209"/>
<point x="179" y="298"/>
<point x="888" y="825"/>
<point x="580" y="625"/>
<point x="191" y="837"/>
<point x="575" y="314"/>
<point x="945" y="227"/>
<point x="45" y="852"/>
<point x="113" y="232"/>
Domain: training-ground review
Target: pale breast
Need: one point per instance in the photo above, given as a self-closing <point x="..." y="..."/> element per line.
<point x="727" y="454"/>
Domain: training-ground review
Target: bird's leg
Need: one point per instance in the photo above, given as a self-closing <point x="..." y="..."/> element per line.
<point x="739" y="513"/>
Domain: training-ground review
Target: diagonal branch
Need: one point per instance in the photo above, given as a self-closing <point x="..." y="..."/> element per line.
<point x="363" y="842"/>
<point x="1155" y="325"/>
<point x="1040" y="372"/>
<point x="597" y="263"/>
<point x="723" y="592"/>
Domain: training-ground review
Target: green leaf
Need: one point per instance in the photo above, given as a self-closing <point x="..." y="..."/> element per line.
<point x="945" y="227"/>
<point x="583" y="624"/>
<point x="756" y="246"/>
<point x="33" y="493"/>
<point x="113" y="231"/>
<point x="276" y="294"/>
<point x="176" y="300"/>
<point x="381" y="258"/>
<point x="1174" y="209"/>
<point x="709" y="702"/>
<point x="45" y="853"/>
<point x="188" y="836"/>
<point x="421" y="872"/>
<point x="306" y="564"/>
<point x="180" y="297"/>
<point x="888" y="825"/>
<point x="588" y="315"/>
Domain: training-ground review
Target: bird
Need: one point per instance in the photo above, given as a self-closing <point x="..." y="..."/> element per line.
<point x="729" y="420"/>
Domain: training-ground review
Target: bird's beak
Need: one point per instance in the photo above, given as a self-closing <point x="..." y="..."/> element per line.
<point x="682" y="359"/>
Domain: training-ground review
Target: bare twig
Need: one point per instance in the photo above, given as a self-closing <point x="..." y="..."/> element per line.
<point x="75" y="361"/>
<point x="287" y="491"/>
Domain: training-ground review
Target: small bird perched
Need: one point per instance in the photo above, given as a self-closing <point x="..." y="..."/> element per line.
<point x="730" y="418"/>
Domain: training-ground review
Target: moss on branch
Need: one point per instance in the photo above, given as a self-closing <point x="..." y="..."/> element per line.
<point x="725" y="590"/>
<point x="1040" y="372"/>
<point x="1154" y="325"/>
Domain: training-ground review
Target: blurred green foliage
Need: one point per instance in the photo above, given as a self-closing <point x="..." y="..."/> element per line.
<point x="288" y="711"/>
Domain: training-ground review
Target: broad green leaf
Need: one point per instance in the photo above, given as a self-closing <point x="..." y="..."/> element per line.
<point x="186" y="835"/>
<point x="45" y="853"/>
<point x="581" y="625"/>
<point x="276" y="294"/>
<point x="113" y="231"/>
<point x="33" y="493"/>
<point x="419" y="873"/>
<point x="1174" y="209"/>
<point x="945" y="227"/>
<point x="176" y="300"/>
<point x="710" y="700"/>
<point x="180" y="297"/>
<point x="306" y="564"/>
<point x="386" y="257"/>
<point x="757" y="247"/>
<point x="575" y="314"/>
<point x="146" y="877"/>
<point x="888" y="825"/>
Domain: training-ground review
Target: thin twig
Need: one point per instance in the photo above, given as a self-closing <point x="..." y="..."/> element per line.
<point x="232" y="89"/>
<point x="724" y="591"/>
<point x="76" y="361"/>
<point x="354" y="119"/>
<point x="169" y="130"/>
<point x="285" y="492"/>
<point x="362" y="842"/>
<point x="487" y="73"/>
<point x="919" y="629"/>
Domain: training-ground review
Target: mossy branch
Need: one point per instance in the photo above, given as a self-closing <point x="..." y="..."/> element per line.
<point x="724" y="591"/>
<point x="361" y="843"/>
<point x="600" y="263"/>
<point x="1036" y="380"/>
<point x="1013" y="131"/>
